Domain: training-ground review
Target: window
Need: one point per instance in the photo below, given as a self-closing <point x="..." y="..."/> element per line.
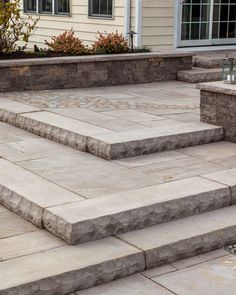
<point x="47" y="6"/>
<point x="101" y="8"/>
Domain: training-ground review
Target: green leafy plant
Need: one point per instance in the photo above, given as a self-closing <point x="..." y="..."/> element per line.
<point x="14" y="27"/>
<point x="67" y="43"/>
<point x="109" y="43"/>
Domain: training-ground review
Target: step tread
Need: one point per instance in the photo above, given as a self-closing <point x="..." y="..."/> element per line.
<point x="146" y="133"/>
<point x="63" y="122"/>
<point x="122" y="212"/>
<point x="28" y="194"/>
<point x="170" y="232"/>
<point x="197" y="71"/>
<point x="65" y="268"/>
<point x="186" y="237"/>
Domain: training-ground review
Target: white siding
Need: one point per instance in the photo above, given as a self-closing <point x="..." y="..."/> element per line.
<point x="84" y="26"/>
<point x="158" y="24"/>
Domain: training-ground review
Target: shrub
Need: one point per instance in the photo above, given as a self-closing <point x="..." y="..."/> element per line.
<point x="110" y="43"/>
<point x="14" y="27"/>
<point x="67" y="43"/>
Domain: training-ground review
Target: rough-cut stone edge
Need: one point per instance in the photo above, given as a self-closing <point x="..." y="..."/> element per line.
<point x="83" y="278"/>
<point x="57" y="134"/>
<point x="189" y="247"/>
<point x="98" y="58"/>
<point x="218" y="87"/>
<point x="122" y="150"/>
<point x="198" y="76"/>
<point x="137" y="217"/>
<point x="21" y="206"/>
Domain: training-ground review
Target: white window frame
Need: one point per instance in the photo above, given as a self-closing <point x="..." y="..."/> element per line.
<point x="54" y="8"/>
<point x="93" y="15"/>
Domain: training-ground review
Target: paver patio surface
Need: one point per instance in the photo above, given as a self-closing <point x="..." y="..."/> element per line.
<point x="80" y="176"/>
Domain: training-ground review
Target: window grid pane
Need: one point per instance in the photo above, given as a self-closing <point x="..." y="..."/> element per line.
<point x="102" y="8"/>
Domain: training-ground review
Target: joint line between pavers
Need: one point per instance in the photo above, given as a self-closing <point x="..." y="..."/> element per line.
<point x="164" y="287"/>
<point x="41" y="176"/>
<point x="228" y="186"/>
<point x="132" y="245"/>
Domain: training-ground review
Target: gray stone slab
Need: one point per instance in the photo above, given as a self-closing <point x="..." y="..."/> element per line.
<point x="123" y="212"/>
<point x="87" y="175"/>
<point x="58" y="128"/>
<point x="25" y="244"/>
<point x="187" y="117"/>
<point x="28" y="194"/>
<point x="199" y="259"/>
<point x="179" y="169"/>
<point x="133" y="116"/>
<point x="134" y="285"/>
<point x="67" y="269"/>
<point x="215" y="277"/>
<point x="9" y="109"/>
<point x="12" y="225"/>
<point x="168" y="242"/>
<point x="227" y="177"/>
<point x="217" y="152"/>
<point x="33" y="149"/>
<point x="150" y="159"/>
<point x="98" y="119"/>
<point x="218" y="87"/>
<point x="158" y="271"/>
<point x="151" y="140"/>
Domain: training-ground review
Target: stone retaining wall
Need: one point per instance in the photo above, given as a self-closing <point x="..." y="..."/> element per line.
<point x="218" y="107"/>
<point x="91" y="71"/>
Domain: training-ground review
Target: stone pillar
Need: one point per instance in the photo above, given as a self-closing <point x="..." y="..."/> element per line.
<point x="218" y="106"/>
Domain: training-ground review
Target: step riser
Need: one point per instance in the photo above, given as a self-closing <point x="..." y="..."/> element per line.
<point x="198" y="78"/>
<point x="190" y="247"/>
<point x="21" y="206"/>
<point x="72" y="281"/>
<point x="152" y="145"/>
<point x="137" y="218"/>
<point x="207" y="63"/>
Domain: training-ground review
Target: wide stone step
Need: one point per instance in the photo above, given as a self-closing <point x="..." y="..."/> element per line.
<point x="198" y="75"/>
<point x="186" y="237"/>
<point x="76" y="220"/>
<point x="110" y="215"/>
<point x="208" y="62"/>
<point x="118" y="145"/>
<point x="68" y="269"/>
<point x="105" y="143"/>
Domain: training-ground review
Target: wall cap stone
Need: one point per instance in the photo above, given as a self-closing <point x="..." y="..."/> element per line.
<point x="218" y="87"/>
<point x="97" y="58"/>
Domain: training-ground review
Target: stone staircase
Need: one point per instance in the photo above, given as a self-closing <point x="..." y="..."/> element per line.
<point x="115" y="235"/>
<point x="205" y="69"/>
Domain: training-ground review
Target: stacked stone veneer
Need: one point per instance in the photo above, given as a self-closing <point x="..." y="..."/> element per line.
<point x="90" y="71"/>
<point x="218" y="107"/>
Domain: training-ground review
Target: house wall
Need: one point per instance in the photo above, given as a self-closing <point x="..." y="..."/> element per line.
<point x="157" y="23"/>
<point x="158" y="18"/>
<point x="84" y="26"/>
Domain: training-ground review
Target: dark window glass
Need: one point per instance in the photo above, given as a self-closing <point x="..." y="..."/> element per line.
<point x="62" y="6"/>
<point x="30" y="5"/>
<point x="100" y="8"/>
<point x="46" y="6"/>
